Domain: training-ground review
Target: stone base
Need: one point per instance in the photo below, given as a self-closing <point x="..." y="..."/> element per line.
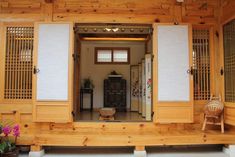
<point x="230" y="150"/>
<point x="40" y="153"/>
<point x="142" y="153"/>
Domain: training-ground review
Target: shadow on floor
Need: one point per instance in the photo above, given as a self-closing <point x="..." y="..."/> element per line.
<point x="166" y="151"/>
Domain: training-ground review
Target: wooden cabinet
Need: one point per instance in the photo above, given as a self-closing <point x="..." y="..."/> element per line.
<point x="115" y="93"/>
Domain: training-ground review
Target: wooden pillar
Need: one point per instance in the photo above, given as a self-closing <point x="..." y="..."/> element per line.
<point x="140" y="148"/>
<point x="35" y="148"/>
<point x="2" y="60"/>
<point x="36" y="151"/>
<point x="140" y="151"/>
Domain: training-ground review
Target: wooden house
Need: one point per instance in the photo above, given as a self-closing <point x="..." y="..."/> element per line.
<point x="48" y="47"/>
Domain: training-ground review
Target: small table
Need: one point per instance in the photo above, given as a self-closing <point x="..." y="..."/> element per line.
<point x="86" y="91"/>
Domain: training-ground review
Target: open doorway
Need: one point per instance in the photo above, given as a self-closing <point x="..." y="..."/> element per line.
<point x="113" y="72"/>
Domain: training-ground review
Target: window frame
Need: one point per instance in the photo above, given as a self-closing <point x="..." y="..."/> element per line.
<point x="112" y="49"/>
<point x="212" y="59"/>
<point x="3" y="29"/>
<point x="223" y="67"/>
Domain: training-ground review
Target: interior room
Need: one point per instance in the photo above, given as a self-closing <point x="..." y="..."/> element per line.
<point x="110" y="75"/>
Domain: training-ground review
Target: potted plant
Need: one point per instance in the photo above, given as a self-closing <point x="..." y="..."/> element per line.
<point x="87" y="83"/>
<point x="8" y="146"/>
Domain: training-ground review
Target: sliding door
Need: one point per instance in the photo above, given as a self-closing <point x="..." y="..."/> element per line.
<point x="53" y="72"/>
<point x="173" y="82"/>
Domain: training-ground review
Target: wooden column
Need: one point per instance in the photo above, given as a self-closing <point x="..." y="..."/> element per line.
<point x="36" y="151"/>
<point x="1" y="61"/>
<point x="140" y="148"/>
<point x="140" y="151"/>
<point x="35" y="148"/>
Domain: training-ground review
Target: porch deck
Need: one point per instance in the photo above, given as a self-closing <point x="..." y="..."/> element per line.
<point x="125" y="134"/>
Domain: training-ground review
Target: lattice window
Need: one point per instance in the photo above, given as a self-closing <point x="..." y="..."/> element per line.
<point x="18" y="63"/>
<point x="229" y="61"/>
<point x="201" y="64"/>
<point x="109" y="55"/>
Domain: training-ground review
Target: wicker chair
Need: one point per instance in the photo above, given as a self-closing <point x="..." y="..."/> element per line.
<point x="213" y="113"/>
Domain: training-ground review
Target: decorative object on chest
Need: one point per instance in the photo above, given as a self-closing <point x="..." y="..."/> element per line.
<point x="115" y="92"/>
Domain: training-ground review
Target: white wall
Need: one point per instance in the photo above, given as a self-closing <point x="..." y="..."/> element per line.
<point x="98" y="72"/>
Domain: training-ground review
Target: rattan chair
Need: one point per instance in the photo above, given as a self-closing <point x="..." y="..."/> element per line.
<point x="213" y="113"/>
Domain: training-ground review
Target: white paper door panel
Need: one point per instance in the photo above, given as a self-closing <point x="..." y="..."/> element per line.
<point x="173" y="63"/>
<point x="53" y="51"/>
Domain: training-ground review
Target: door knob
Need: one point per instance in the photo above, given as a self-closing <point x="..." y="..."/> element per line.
<point x="190" y="71"/>
<point x="35" y="70"/>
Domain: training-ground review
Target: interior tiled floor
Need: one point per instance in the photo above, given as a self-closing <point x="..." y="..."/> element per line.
<point x="87" y="115"/>
<point x="201" y="151"/>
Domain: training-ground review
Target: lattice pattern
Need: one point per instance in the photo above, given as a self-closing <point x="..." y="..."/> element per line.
<point x="229" y="61"/>
<point x="18" y="63"/>
<point x="201" y="64"/>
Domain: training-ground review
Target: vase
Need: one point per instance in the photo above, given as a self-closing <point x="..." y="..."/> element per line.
<point x="14" y="153"/>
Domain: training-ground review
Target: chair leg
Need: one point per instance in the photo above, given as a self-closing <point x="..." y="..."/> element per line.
<point x="204" y="123"/>
<point x="222" y="123"/>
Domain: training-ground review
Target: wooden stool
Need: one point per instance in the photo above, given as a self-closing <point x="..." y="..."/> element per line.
<point x="213" y="113"/>
<point x="107" y="113"/>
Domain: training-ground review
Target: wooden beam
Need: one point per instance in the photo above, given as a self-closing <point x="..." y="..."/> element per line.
<point x="2" y="64"/>
<point x="8" y="17"/>
<point x="133" y="138"/>
<point x="29" y="5"/>
<point x="4" y="4"/>
<point x="35" y="148"/>
<point x="49" y="1"/>
<point x="140" y="148"/>
<point x="111" y="18"/>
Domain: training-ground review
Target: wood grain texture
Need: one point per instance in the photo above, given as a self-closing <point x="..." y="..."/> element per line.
<point x="114" y="134"/>
<point x="227" y="11"/>
<point x="139" y="134"/>
<point x="125" y="11"/>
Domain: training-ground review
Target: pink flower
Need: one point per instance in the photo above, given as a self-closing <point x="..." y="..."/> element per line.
<point x="6" y="130"/>
<point x="16" y="131"/>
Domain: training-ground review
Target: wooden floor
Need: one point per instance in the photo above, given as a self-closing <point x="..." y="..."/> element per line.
<point x="124" y="134"/>
<point x="128" y="116"/>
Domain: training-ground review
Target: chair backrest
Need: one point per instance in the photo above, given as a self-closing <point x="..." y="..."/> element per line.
<point x="212" y="97"/>
<point x="214" y="107"/>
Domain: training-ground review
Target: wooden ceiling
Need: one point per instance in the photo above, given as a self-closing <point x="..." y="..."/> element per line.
<point x="113" y="11"/>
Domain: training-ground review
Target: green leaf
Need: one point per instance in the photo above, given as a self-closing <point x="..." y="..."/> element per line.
<point x="3" y="147"/>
